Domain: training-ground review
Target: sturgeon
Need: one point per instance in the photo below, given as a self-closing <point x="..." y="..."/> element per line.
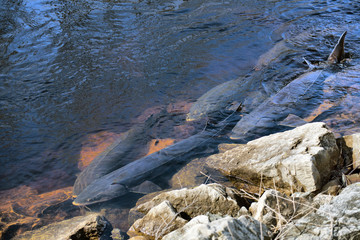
<point x="115" y="156"/>
<point x="216" y="99"/>
<point x="293" y="98"/>
<point x="122" y="180"/>
<point x="250" y="90"/>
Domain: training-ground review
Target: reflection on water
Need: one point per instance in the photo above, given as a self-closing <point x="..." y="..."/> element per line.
<point x="80" y="72"/>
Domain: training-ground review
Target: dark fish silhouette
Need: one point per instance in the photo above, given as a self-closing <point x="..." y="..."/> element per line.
<point x="288" y="100"/>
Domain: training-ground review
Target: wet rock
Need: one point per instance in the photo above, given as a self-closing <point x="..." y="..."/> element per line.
<point x="196" y="173"/>
<point x="159" y="221"/>
<point x="213" y="198"/>
<point x="203" y="227"/>
<point x="337" y="220"/>
<point x="90" y="227"/>
<point x="118" y="217"/>
<point x="190" y="175"/>
<point x="301" y="159"/>
<point x="24" y="208"/>
<point x="275" y="209"/>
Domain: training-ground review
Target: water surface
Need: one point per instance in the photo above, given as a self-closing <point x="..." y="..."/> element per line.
<point x="72" y="70"/>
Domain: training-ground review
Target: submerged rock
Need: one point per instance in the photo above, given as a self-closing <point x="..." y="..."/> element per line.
<point x="90" y="227"/>
<point x="21" y="207"/>
<point x="337" y="220"/>
<point x="301" y="159"/>
<point x="203" y="227"/>
<point x="190" y="175"/>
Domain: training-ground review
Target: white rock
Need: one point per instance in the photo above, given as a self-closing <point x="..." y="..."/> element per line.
<point x="353" y="142"/>
<point x="201" y="228"/>
<point x="297" y="160"/>
<point x="275" y="209"/>
<point x="322" y="199"/>
<point x="159" y="221"/>
<point x="213" y="198"/>
<point x="337" y="220"/>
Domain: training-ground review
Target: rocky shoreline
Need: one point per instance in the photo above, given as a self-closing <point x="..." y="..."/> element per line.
<point x="300" y="183"/>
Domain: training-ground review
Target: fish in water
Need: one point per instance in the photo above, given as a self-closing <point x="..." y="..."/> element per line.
<point x="250" y="90"/>
<point x="290" y="100"/>
<point x="115" y="156"/>
<point x="128" y="177"/>
<point x="225" y="98"/>
<point x="124" y="179"/>
<point x="219" y="97"/>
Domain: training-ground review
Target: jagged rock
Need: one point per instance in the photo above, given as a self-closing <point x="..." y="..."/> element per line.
<point x="337" y="220"/>
<point x="203" y="227"/>
<point x="159" y="221"/>
<point x="171" y="210"/>
<point x="353" y="143"/>
<point x="275" y="209"/>
<point x="213" y="198"/>
<point x="244" y="211"/>
<point x="301" y="159"/>
<point x="89" y="227"/>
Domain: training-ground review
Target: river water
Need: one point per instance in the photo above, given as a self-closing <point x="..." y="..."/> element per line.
<point x="75" y="71"/>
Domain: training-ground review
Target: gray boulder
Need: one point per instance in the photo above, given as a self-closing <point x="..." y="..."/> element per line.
<point x="213" y="198"/>
<point x="159" y="221"/>
<point x="337" y="220"/>
<point x="301" y="159"/>
<point x="171" y="210"/>
<point x="89" y="227"/>
<point x="203" y="227"/>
